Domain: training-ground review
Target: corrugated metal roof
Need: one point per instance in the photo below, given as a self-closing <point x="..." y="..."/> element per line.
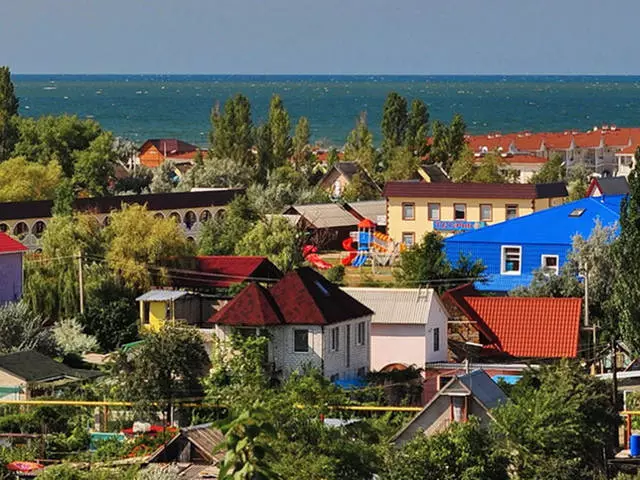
<point x="374" y="210"/>
<point x="408" y="306"/>
<point x="161" y="295"/>
<point x="324" y="215"/>
<point x="483" y="388"/>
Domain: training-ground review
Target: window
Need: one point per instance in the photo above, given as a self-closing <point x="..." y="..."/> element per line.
<point x="190" y="219"/>
<point x="39" y="228"/>
<point x="486" y="212"/>
<point x="408" y="238"/>
<point x="436" y="339"/>
<point x="433" y="211"/>
<point x="335" y="339"/>
<point x="577" y="212"/>
<point x="360" y="337"/>
<point x="511" y="211"/>
<point x="442" y="381"/>
<point x="361" y="372"/>
<point x="408" y="211"/>
<point x="550" y="264"/>
<point x="511" y="260"/>
<point x="301" y="341"/>
<point x="459" y="211"/>
<point x="205" y="216"/>
<point x="20" y="230"/>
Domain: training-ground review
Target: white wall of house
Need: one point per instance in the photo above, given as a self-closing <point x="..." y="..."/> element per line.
<point x="394" y="343"/>
<point x="352" y="359"/>
<point x="7" y="380"/>
<point x="438" y="319"/>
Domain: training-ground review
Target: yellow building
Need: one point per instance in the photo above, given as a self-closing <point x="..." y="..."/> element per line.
<point x="160" y="306"/>
<point x="415" y="208"/>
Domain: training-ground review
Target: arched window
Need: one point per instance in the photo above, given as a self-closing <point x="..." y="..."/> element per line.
<point x="4" y="227"/>
<point x="38" y="228"/>
<point x="159" y="215"/>
<point x="176" y="217"/>
<point x="204" y="216"/>
<point x="191" y="240"/>
<point x="20" y="230"/>
<point x="190" y="219"/>
<point x="220" y="214"/>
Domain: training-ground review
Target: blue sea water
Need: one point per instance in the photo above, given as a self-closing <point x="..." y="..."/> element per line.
<point x="150" y="106"/>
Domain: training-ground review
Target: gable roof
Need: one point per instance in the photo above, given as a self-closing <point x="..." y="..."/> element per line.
<point x="409" y="306"/>
<point x="32" y="366"/>
<point x="170" y="146"/>
<point x="301" y="297"/>
<point x="10" y="245"/>
<point x="608" y="186"/>
<point x="226" y="270"/>
<point x="434" y="173"/>
<point x="323" y="215"/>
<point x="375" y="210"/>
<point x="529" y="327"/>
<point x="474" y="190"/>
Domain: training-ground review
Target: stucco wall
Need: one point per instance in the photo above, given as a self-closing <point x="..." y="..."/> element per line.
<point x="10" y="277"/>
<point x="397" y="344"/>
<point x="438" y="318"/>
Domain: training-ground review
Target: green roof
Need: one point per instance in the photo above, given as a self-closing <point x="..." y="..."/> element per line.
<point x="32" y="366"/>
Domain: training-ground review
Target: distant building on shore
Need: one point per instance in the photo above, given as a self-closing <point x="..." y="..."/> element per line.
<point x="155" y="151"/>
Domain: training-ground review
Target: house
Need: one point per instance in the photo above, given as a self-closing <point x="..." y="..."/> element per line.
<point x="415" y="208"/>
<point x="28" y="374"/>
<point x="408" y="327"/>
<point x="606" y="186"/>
<point x="11" y="268"/>
<point x="626" y="159"/>
<point x="507" y="328"/>
<point x="328" y="224"/>
<point x="340" y="175"/>
<point x="310" y="322"/>
<point x="465" y="395"/>
<point x="513" y="250"/>
<point x="160" y="306"/>
<point x="155" y="151"/>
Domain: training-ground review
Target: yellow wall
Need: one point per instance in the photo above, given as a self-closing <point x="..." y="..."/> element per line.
<point x="396" y="226"/>
<point x="157" y="315"/>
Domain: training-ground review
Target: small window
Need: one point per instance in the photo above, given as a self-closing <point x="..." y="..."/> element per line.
<point x="443" y="380"/>
<point x="301" y="341"/>
<point x="4" y="227"/>
<point x="577" y="212"/>
<point x="20" y="230"/>
<point x="436" y="339"/>
<point x="550" y="264"/>
<point x="486" y="212"/>
<point x="175" y="216"/>
<point x="38" y="228"/>
<point x="159" y="215"/>
<point x="408" y="211"/>
<point x="409" y="238"/>
<point x="205" y="216"/>
<point x="335" y="339"/>
<point x="360" y="337"/>
<point x="511" y="211"/>
<point x="459" y="211"/>
<point x="511" y="260"/>
<point x="107" y="221"/>
<point x="433" y="211"/>
<point x="190" y="219"/>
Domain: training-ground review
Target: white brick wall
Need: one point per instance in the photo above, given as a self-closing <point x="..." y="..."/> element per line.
<point x="359" y="355"/>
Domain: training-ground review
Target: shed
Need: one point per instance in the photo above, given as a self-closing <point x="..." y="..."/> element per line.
<point x="159" y="306"/>
<point x="328" y="223"/>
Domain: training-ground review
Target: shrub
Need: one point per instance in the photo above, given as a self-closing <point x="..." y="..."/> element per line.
<point x="336" y="274"/>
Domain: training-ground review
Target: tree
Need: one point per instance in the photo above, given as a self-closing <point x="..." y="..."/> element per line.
<point x="463" y="451"/>
<point x="71" y="339"/>
<point x="415" y="138"/>
<point x="559" y="424"/>
<point x="625" y="300"/>
<point x="138" y="242"/>
<point x="552" y="171"/>
<point x="167" y="365"/>
<point x="65" y="195"/>
<point x="232" y="131"/>
<point x="8" y="111"/>
<point x="265" y="158"/>
<point x="22" y="181"/>
<point x="402" y="164"/>
<point x="137" y="182"/>
<point x="276" y="239"/>
<point x="301" y="150"/>
<point x="457" y="132"/>
<point x="333" y="157"/>
<point x="94" y="166"/>
<point x="280" y="129"/>
<point x="222" y="173"/>
<point x="360" y="188"/>
<point x="448" y="142"/>
<point x="463" y="170"/>
<point x="359" y="147"/>
<point x="394" y="121"/>
<point x="164" y="178"/>
<point x="490" y="170"/>
<point x="21" y="329"/>
<point x="427" y="264"/>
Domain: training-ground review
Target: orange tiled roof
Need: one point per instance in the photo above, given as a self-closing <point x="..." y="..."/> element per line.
<point x="630" y="150"/>
<point x="532" y="327"/>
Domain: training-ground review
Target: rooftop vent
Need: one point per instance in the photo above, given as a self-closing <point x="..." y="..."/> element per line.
<point x="577" y="212"/>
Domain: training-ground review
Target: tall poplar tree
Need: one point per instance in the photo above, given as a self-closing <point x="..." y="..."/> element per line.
<point x="415" y="138"/>
<point x="8" y="111"/>
<point x="359" y="147"/>
<point x="280" y="127"/>
<point x="394" y="120"/>
<point x="232" y="131"/>
<point x="301" y="140"/>
<point x="457" y="131"/>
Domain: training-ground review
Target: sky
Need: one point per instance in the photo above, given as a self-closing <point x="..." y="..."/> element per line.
<point x="320" y="36"/>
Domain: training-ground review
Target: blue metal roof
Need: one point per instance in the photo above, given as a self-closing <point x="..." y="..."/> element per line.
<point x="550" y="226"/>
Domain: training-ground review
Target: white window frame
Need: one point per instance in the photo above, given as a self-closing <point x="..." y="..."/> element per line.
<point x="294" y="340"/>
<point x="503" y="258"/>
<point x="361" y="333"/>
<point x="555" y="270"/>
<point x="430" y="217"/>
<point x="490" y="206"/>
<point x="335" y="339"/>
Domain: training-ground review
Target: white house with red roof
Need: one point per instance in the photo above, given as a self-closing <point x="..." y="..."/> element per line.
<point x="11" y="268"/>
<point x="310" y="322"/>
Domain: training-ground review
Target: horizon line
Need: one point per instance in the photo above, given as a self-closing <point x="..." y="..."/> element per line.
<point x="337" y="74"/>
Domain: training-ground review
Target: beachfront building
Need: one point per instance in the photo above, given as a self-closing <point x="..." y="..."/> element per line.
<point x="512" y="251"/>
<point x="154" y="152"/>
<point x="415" y="208"/>
<point x="310" y="322"/>
<point x="408" y="327"/>
<point x="27" y="221"/>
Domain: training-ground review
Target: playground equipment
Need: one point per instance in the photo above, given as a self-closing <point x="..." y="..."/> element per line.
<point x="310" y="254"/>
<point x="372" y="245"/>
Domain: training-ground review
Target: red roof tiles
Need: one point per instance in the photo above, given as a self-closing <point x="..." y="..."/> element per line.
<point x="253" y="307"/>
<point x="223" y="271"/>
<point x="10" y="245"/>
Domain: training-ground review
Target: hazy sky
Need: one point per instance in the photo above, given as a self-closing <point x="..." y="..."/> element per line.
<point x="320" y="36"/>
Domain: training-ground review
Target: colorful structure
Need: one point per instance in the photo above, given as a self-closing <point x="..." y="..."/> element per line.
<point x="370" y="245"/>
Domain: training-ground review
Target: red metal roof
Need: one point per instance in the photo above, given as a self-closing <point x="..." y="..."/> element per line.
<point x="409" y="189"/>
<point x="531" y="327"/>
<point x="10" y="245"/>
<point x="224" y="271"/>
<point x="301" y="297"/>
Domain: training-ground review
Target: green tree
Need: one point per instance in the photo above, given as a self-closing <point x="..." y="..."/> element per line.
<point x="64" y="196"/>
<point x="8" y="111"/>
<point x="402" y="164"/>
<point x="447" y="142"/>
<point x="427" y="264"/>
<point x="359" y="147"/>
<point x="94" y="166"/>
<point x="137" y="182"/>
<point x="164" y="178"/>
<point x="222" y="173"/>
<point x="552" y="171"/>
<point x="302" y="158"/>
<point x="415" y="138"/>
<point x="333" y="157"/>
<point x="22" y="181"/>
<point x="21" y="329"/>
<point x="456" y="137"/>
<point x="463" y="451"/>
<point x="394" y="120"/>
<point x="464" y="169"/>
<point x="71" y="339"/>
<point x="276" y="239"/>
<point x="232" y="131"/>
<point x="490" y="170"/>
<point x="360" y="188"/>
<point x="265" y="157"/>
<point x="280" y="128"/>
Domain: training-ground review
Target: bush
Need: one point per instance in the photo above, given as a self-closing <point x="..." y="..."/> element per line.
<point x="336" y="274"/>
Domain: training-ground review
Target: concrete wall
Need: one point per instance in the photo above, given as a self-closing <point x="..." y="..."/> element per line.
<point x="10" y="277"/>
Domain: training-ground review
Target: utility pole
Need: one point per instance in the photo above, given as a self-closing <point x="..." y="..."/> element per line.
<point x="614" y="372"/>
<point x="80" y="281"/>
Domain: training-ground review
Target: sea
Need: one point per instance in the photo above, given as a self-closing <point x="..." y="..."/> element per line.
<point x="139" y="107"/>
